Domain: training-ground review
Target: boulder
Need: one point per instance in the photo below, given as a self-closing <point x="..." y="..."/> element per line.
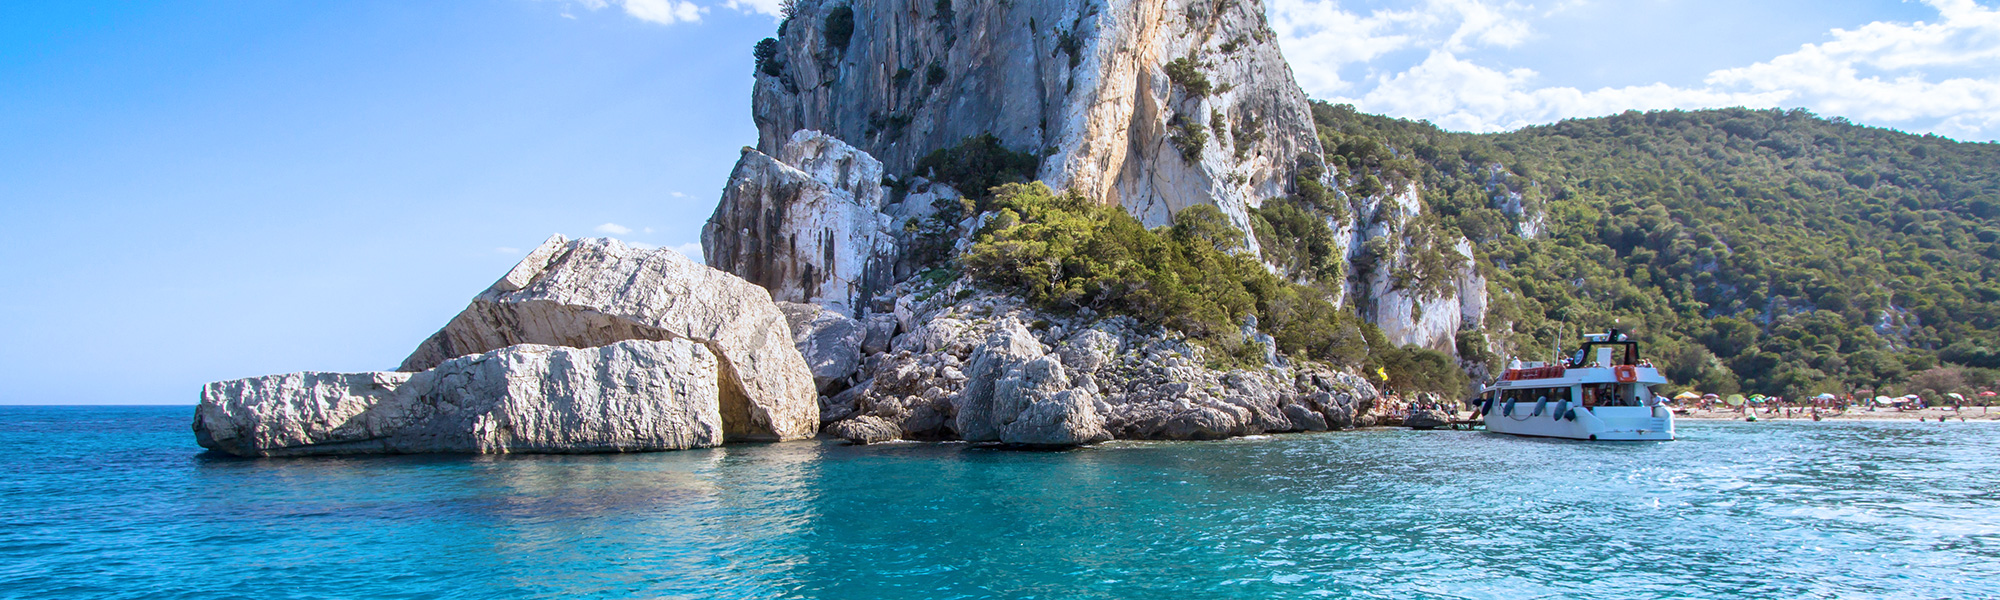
<point x="629" y="396"/>
<point x="593" y="292"/>
<point x="866" y="429"/>
<point x="807" y="225"/>
<point x="1427" y="418"/>
<point x="1016" y="394"/>
<point x="830" y="342"/>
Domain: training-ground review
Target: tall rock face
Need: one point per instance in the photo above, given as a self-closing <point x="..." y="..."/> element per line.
<point x="629" y="396"/>
<point x="593" y="292"/>
<point x="807" y="225"/>
<point x="1084" y="83"/>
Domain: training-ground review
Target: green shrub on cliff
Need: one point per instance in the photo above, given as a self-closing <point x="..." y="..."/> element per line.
<point x="1062" y="252"/>
<point x="1186" y="73"/>
<point x="977" y="164"/>
<point x="839" y="26"/>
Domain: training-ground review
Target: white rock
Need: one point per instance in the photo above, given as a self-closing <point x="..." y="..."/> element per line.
<point x="629" y="396"/>
<point x="807" y="225"/>
<point x="593" y="292"/>
<point x="830" y="341"/>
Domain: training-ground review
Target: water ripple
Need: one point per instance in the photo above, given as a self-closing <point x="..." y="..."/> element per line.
<point x="113" y="503"/>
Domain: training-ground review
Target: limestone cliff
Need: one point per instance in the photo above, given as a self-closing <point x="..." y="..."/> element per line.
<point x="1084" y="83"/>
<point x="806" y="225"/>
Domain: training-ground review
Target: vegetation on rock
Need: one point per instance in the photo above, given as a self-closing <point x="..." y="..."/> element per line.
<point x="1063" y="252"/>
<point x="978" y="164"/>
<point x="839" y="26"/>
<point x="1186" y="73"/>
<point x="1754" y="250"/>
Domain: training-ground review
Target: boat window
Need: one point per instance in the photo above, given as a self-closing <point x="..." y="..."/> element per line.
<point x="1610" y="394"/>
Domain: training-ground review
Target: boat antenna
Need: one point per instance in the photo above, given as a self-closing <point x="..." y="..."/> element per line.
<point x="1557" y="345"/>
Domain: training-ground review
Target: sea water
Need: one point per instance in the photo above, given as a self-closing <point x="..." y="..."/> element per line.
<point x="117" y="502"/>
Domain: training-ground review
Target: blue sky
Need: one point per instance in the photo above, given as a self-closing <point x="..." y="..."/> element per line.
<point x="197" y="191"/>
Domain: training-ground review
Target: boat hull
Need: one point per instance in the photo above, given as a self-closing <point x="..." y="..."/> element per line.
<point x="1604" y="423"/>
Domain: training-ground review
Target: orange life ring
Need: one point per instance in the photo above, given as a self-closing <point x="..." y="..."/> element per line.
<point x="1625" y="373"/>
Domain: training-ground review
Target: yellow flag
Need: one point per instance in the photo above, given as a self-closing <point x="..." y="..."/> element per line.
<point x="1384" y="375"/>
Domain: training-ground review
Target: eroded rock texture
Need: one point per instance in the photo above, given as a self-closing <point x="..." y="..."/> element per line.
<point x="628" y="396"/>
<point x="593" y="292"/>
<point x="806" y="225"/>
<point x="1083" y="82"/>
<point x="986" y="368"/>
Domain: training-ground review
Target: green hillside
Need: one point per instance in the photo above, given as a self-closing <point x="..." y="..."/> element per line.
<point x="1761" y="250"/>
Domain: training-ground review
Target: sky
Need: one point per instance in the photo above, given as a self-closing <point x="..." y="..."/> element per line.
<point x="198" y="191"/>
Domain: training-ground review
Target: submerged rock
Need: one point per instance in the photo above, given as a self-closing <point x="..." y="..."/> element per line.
<point x="629" y="396"/>
<point x="593" y="292"/>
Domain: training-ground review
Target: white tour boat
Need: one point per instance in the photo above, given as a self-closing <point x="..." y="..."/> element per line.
<point x="1610" y="397"/>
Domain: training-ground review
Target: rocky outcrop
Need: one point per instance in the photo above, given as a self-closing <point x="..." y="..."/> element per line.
<point x="1418" y="285"/>
<point x="1427" y="418"/>
<point x="972" y="370"/>
<point x="628" y="396"/>
<point x="807" y="225"/>
<point x="830" y="342"/>
<point x="1019" y="395"/>
<point x="594" y="292"/>
<point x="1084" y="83"/>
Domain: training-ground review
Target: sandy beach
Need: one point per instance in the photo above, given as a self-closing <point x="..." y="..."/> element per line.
<point x="1971" y="413"/>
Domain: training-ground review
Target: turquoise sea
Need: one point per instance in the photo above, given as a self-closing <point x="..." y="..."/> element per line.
<point x="117" y="502"/>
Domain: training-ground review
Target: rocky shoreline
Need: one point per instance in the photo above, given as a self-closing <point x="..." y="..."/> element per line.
<point x="832" y="300"/>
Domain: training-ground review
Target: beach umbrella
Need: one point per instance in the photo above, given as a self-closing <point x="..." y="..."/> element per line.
<point x="1735" y="400"/>
<point x="1955" y="396"/>
<point x="1687" y="396"/>
<point x="1989" y="393"/>
<point x="1710" y="397"/>
<point x="1824" y="397"/>
<point x="1884" y="400"/>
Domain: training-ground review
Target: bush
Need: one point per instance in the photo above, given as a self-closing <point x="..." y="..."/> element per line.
<point x="1296" y="239"/>
<point x="1188" y="137"/>
<point x="1415" y="369"/>
<point x="1063" y="252"/>
<point x="766" y="53"/>
<point x="839" y="27"/>
<point x="1186" y="73"/>
<point x="977" y="164"/>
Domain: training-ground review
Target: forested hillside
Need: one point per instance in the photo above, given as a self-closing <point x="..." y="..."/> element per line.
<point x="1767" y="251"/>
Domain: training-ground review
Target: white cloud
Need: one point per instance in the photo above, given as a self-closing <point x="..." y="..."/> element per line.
<point x="1876" y="73"/>
<point x="677" y="194"/>
<point x="774" y="8"/>
<point x="613" y="229"/>
<point x="664" y="12"/>
<point x="1459" y="95"/>
<point x="690" y="250"/>
<point x="1321" y="39"/>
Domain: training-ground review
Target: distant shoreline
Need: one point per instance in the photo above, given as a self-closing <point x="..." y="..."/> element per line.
<point x="1971" y="413"/>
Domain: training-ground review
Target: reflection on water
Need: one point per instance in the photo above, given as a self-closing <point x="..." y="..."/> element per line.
<point x="114" y="502"/>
